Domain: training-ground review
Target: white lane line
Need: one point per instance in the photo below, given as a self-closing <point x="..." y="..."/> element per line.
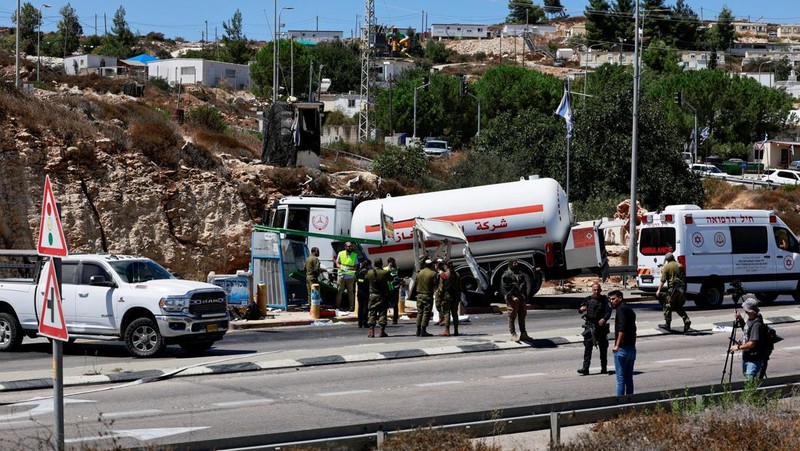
<point x="246" y="402"/>
<point x="434" y="384"/>
<point x="131" y="413"/>
<point x="517" y="376"/>
<point x="791" y="348"/>
<point x="344" y="393"/>
<point x="674" y="360"/>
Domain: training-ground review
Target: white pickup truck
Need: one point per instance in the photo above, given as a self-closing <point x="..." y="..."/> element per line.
<point x="114" y="297"/>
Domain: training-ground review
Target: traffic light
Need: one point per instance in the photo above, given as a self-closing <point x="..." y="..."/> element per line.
<point x="463" y="86"/>
<point x="425" y="83"/>
<point x="679" y="98"/>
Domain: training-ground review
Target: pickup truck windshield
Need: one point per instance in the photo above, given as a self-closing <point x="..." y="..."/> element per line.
<point x="134" y="271"/>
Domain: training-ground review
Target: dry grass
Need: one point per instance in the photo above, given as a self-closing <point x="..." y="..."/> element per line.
<point x="434" y="439"/>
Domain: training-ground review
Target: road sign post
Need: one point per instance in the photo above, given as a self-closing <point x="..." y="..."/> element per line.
<point x="51" y="321"/>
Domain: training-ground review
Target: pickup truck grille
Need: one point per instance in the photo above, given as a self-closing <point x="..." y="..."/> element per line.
<point x="208" y="303"/>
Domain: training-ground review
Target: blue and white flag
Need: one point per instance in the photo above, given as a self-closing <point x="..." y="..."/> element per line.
<point x="704" y="134"/>
<point x="564" y="109"/>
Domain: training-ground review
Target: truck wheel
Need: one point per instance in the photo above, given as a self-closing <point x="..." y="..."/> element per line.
<point x="766" y="298"/>
<point x="711" y="295"/>
<point x="197" y="347"/>
<point x="10" y="332"/>
<point x="142" y="338"/>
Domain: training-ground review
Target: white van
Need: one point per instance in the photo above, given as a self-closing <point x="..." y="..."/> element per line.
<point x="717" y="247"/>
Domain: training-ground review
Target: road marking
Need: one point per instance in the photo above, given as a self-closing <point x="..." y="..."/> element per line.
<point x="674" y="360"/>
<point x="131" y="413"/>
<point x="434" y="384"/>
<point x="343" y="393"/>
<point x="791" y="348"/>
<point x="138" y="434"/>
<point x="245" y="402"/>
<point x="43" y="406"/>
<point x="517" y="376"/>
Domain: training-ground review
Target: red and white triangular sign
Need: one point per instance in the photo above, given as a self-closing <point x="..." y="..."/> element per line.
<point x="51" y="321"/>
<point x="51" y="235"/>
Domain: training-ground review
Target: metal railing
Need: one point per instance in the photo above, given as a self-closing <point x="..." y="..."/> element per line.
<point x="499" y="422"/>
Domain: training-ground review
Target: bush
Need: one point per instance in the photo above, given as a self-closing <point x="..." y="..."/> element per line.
<point x="407" y="165"/>
<point x="336" y="117"/>
<point x="160" y="83"/>
<point x="157" y="140"/>
<point x="208" y="117"/>
<point x="436" y="51"/>
<point x="480" y="56"/>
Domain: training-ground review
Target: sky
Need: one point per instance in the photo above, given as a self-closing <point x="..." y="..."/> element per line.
<point x="187" y="18"/>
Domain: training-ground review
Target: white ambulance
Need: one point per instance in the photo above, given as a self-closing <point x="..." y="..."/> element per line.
<point x="717" y="247"/>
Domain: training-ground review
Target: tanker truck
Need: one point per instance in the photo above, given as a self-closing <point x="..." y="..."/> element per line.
<point x="527" y="220"/>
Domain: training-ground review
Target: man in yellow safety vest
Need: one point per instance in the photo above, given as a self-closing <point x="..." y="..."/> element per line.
<point x="346" y="262"/>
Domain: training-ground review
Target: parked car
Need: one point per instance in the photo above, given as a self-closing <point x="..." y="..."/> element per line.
<point x="795" y="165"/>
<point x="436" y="148"/>
<point x="714" y="160"/>
<point x="559" y="63"/>
<point x="708" y="170"/>
<point x="784" y="177"/>
<point x="687" y="158"/>
<point x="733" y="166"/>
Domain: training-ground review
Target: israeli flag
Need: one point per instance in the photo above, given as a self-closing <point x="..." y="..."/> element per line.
<point x="564" y="109"/>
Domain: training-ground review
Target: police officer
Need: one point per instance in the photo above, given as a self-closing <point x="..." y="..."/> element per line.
<point x="346" y="262"/>
<point x="378" y="279"/>
<point x="422" y="291"/>
<point x="596" y="311"/>
<point x="514" y="289"/>
<point x="672" y="274"/>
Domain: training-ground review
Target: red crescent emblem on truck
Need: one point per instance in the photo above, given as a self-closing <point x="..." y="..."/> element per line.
<point x="320" y="222"/>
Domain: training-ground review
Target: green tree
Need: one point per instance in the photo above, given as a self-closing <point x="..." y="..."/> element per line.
<point x="436" y="51"/>
<point x="261" y="69"/>
<point x="234" y="41"/>
<point x="623" y="21"/>
<point x="28" y="26"/>
<point x="600" y="24"/>
<point x="513" y="88"/>
<point x="69" y="30"/>
<point x="660" y="57"/>
<point x="120" y="29"/>
<point x="520" y="11"/>
<point x="686" y="26"/>
<point x="725" y="32"/>
<point x="342" y="64"/>
<point x="554" y="8"/>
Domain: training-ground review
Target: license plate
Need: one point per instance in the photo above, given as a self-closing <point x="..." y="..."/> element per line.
<point x="212" y="328"/>
<point x="647" y="279"/>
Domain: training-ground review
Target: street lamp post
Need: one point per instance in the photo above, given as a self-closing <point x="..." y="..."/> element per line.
<point x="278" y="26"/>
<point x="633" y="211"/>
<point x="759" y="72"/>
<point x="38" y="40"/>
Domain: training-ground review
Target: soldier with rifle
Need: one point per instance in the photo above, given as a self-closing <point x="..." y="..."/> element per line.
<point x="596" y="312"/>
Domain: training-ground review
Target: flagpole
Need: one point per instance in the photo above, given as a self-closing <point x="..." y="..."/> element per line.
<point x="569" y="138"/>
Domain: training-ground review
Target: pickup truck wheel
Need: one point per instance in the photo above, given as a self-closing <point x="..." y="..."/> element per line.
<point x="142" y="338"/>
<point x="197" y="347"/>
<point x="10" y="332"/>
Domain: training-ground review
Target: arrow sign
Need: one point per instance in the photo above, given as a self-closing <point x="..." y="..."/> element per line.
<point x="51" y="321"/>
<point x="51" y="235"/>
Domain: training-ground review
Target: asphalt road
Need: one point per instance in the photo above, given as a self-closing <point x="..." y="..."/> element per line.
<point x="217" y="406"/>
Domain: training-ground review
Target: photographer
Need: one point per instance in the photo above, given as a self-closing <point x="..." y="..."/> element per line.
<point x="754" y="338"/>
<point x="596" y="311"/>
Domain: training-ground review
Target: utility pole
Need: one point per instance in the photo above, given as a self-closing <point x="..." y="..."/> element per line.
<point x="633" y="211"/>
<point x="367" y="37"/>
<point x="16" y="57"/>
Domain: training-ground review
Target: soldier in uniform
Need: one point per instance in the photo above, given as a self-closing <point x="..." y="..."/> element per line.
<point x="362" y="292"/>
<point x="672" y="274"/>
<point x="422" y="291"/>
<point x="313" y="270"/>
<point x="378" y="279"/>
<point x="394" y="288"/>
<point x="596" y="311"/>
<point x="514" y="289"/>
<point x="450" y="293"/>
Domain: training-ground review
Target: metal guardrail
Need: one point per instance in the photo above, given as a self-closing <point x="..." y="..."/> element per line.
<point x="362" y="161"/>
<point x="489" y="423"/>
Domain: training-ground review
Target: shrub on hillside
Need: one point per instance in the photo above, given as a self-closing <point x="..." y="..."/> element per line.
<point x="208" y="117"/>
<point x="160" y="83"/>
<point x="157" y="140"/>
<point x="407" y="165"/>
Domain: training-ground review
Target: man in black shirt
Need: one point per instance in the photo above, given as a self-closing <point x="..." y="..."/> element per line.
<point x="596" y="311"/>
<point x="755" y="335"/>
<point x="624" y="344"/>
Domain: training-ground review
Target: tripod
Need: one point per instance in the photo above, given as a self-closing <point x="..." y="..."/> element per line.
<point x="738" y="292"/>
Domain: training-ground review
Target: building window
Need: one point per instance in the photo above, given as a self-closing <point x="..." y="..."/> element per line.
<point x="230" y="73"/>
<point x="692" y="56"/>
<point x="351" y="103"/>
<point x="188" y="70"/>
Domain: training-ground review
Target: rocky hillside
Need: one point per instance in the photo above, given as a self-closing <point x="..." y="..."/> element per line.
<point x="130" y="181"/>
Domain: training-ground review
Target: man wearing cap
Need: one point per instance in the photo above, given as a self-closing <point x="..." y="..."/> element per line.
<point x="313" y="270"/>
<point x="515" y="288"/>
<point x="347" y="263"/>
<point x="672" y="275"/>
<point x="752" y="343"/>
<point x="422" y="290"/>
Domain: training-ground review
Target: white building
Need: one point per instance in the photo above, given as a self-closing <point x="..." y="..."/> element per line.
<point x="90" y="64"/>
<point x="390" y="69"/>
<point x="348" y="104"/>
<point x="521" y="29"/>
<point x="200" y="71"/>
<point x="459" y="30"/>
<point x="316" y="36"/>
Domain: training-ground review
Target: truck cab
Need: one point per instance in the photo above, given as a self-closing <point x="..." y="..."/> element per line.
<point x="330" y="216"/>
